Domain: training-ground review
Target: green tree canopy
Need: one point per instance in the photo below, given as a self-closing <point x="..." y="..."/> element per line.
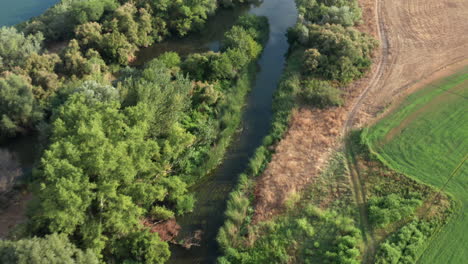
<point x="53" y="248"/>
<point x="18" y="107"/>
<point x="16" y="47"/>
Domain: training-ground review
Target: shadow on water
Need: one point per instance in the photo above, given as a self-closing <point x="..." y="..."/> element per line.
<point x="212" y="195"/>
<point x="208" y="39"/>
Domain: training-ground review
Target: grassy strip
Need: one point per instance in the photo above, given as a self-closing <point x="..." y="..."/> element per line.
<point x="239" y="206"/>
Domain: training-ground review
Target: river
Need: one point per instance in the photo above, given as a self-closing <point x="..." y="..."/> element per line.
<point x="213" y="193"/>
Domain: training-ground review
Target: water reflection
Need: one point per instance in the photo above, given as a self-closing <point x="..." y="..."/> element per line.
<point x="212" y="194"/>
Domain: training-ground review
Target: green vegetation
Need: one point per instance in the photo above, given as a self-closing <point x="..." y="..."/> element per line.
<point x="425" y="138"/>
<point x="50" y="249"/>
<point x="308" y="232"/>
<point x="122" y="144"/>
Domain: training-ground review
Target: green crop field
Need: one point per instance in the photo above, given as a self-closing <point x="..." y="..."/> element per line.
<point x="426" y="138"/>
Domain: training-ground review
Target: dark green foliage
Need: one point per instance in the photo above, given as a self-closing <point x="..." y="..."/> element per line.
<point x="391" y="208"/>
<point x="16" y="47"/>
<point x="41" y="70"/>
<point x="343" y="53"/>
<point x="241" y="45"/>
<point x="344" y="12"/>
<point x="50" y="249"/>
<point x="78" y="65"/>
<point x="321" y="94"/>
<point x="405" y="245"/>
<point x="18" y="108"/>
<point x="59" y="21"/>
<point x="141" y="247"/>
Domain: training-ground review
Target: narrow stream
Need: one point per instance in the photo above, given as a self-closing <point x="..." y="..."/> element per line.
<point x="212" y="195"/>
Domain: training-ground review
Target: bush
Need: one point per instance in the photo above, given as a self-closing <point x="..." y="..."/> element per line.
<point x="391" y="208"/>
<point x="50" y="249"/>
<point x="321" y="94"/>
<point x="161" y="213"/>
<point x="16" y="47"/>
<point x="18" y="108"/>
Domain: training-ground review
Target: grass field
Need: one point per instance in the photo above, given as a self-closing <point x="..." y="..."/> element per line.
<point x="426" y="138"/>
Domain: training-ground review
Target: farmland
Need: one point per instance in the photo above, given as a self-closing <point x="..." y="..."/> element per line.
<point x="426" y="138"/>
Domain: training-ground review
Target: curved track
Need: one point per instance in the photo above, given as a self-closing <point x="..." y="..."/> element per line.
<point x="420" y="39"/>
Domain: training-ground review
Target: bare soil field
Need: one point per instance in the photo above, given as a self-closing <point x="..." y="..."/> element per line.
<point x="419" y="39"/>
<point x="426" y="40"/>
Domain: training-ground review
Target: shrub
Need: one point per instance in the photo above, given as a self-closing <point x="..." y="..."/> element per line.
<point x="321" y="94"/>
<point x="161" y="213"/>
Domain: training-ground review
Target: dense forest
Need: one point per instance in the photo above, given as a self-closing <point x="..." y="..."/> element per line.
<point x="122" y="144"/>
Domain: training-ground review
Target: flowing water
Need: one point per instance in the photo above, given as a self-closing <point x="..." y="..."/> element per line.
<point x="211" y="196"/>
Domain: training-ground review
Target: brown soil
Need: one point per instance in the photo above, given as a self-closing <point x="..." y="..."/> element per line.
<point x="419" y="39"/>
<point x="167" y="230"/>
<point x="426" y="40"/>
<point x="14" y="213"/>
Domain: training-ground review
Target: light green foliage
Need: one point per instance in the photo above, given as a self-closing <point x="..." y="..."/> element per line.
<point x="290" y="238"/>
<point x="166" y="95"/>
<point x="50" y="249"/>
<point x="18" y="108"/>
<point x="16" y="47"/>
<point x="95" y="92"/>
<point x="161" y="213"/>
<point x="428" y="146"/>
<point x="100" y="162"/>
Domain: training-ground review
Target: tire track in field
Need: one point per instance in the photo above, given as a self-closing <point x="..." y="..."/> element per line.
<point x="356" y="181"/>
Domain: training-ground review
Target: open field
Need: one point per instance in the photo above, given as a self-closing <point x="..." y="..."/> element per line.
<point x="426" y="138"/>
<point x="424" y="37"/>
<point x="419" y="39"/>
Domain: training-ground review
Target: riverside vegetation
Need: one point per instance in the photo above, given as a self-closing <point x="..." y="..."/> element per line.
<point x="122" y="144"/>
<point x="321" y="224"/>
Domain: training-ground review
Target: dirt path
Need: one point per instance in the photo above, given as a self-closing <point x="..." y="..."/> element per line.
<point x="356" y="179"/>
<point x="431" y="26"/>
<point x="419" y="38"/>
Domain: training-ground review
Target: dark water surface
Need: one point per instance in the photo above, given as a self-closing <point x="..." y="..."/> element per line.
<point x="16" y="11"/>
<point x="212" y="194"/>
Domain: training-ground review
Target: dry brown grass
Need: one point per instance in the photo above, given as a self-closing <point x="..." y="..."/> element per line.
<point x="424" y="38"/>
